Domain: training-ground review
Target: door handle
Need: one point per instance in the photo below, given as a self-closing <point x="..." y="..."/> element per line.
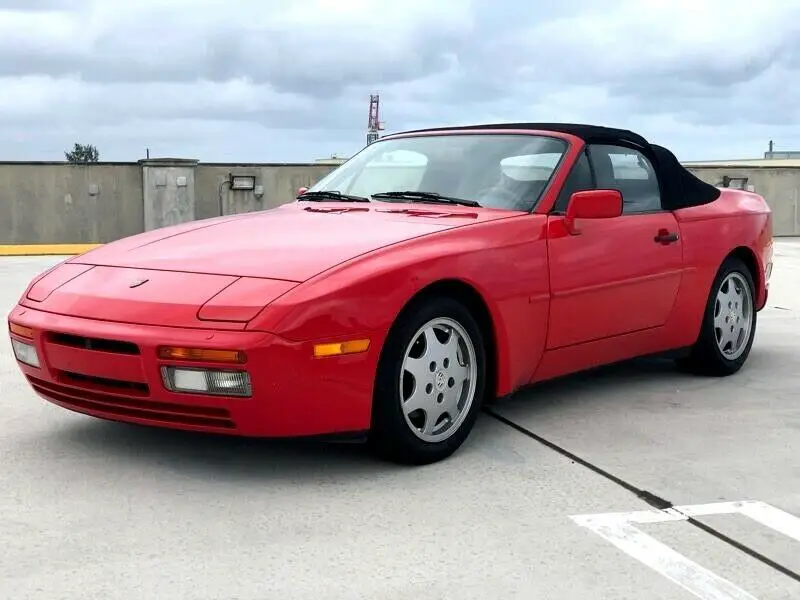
<point x="666" y="237"/>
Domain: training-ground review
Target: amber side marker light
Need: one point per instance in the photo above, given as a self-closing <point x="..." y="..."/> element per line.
<point x="21" y="331"/>
<point x="340" y="348"/>
<point x="202" y="354"/>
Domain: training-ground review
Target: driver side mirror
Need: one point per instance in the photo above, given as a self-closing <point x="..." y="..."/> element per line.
<point x="301" y="190"/>
<point x="592" y="204"/>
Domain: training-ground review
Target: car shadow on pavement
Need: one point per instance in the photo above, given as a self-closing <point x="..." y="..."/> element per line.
<point x="234" y="458"/>
<point x="618" y="383"/>
<point x="215" y="456"/>
<point x="225" y="457"/>
<point x="647" y="384"/>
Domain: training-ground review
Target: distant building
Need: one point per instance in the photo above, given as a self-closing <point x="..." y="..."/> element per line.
<point x="795" y="154"/>
<point x="771" y="154"/>
<point x="746" y="163"/>
<point x="333" y="160"/>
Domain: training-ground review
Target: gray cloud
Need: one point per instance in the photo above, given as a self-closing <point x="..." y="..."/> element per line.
<point x="40" y="5"/>
<point x="256" y="80"/>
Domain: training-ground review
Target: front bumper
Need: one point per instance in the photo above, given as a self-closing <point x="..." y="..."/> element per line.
<point x="293" y="393"/>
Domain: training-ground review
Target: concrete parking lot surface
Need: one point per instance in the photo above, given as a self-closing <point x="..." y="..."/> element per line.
<point x="97" y="510"/>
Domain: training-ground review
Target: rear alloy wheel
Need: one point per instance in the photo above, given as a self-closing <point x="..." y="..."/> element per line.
<point x="729" y="323"/>
<point x="430" y="384"/>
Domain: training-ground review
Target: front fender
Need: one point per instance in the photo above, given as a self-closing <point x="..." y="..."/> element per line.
<point x="504" y="261"/>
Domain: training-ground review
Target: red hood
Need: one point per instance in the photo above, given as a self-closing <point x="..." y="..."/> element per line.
<point x="293" y="242"/>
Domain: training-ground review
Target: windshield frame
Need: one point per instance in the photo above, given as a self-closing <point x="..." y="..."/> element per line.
<point x="566" y="140"/>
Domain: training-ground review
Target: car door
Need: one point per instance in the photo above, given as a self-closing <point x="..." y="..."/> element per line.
<point x="617" y="275"/>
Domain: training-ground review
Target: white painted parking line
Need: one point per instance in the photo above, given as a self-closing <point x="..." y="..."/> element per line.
<point x="619" y="529"/>
<point x="761" y="512"/>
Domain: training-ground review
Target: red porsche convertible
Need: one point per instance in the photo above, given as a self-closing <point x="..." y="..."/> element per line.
<point x="433" y="271"/>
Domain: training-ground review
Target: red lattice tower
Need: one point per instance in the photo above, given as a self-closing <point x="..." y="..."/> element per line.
<point x="374" y="125"/>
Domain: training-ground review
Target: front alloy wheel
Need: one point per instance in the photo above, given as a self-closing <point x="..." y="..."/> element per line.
<point x="430" y="383"/>
<point x="438" y="380"/>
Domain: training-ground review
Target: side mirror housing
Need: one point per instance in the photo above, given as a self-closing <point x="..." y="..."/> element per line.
<point x="593" y="204"/>
<point x="301" y="191"/>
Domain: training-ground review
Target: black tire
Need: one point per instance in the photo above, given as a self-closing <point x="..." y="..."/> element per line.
<point x="705" y="357"/>
<point x="391" y="437"/>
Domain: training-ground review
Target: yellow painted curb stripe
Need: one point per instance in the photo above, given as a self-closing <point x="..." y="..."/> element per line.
<point x="45" y="249"/>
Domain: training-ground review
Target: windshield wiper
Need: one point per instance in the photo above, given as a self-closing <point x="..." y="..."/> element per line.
<point x="336" y="196"/>
<point x="426" y="197"/>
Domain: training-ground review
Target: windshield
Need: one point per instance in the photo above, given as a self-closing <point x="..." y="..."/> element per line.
<point x="499" y="171"/>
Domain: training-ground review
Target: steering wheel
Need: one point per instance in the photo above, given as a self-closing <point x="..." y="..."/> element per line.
<point x="501" y="197"/>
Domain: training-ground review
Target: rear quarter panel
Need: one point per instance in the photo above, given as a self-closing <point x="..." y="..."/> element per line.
<point x="505" y="261"/>
<point x="737" y="221"/>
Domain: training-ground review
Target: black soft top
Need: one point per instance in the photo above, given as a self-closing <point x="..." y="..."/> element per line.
<point x="679" y="187"/>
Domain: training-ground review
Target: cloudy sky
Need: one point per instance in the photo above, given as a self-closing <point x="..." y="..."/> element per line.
<point x="289" y="80"/>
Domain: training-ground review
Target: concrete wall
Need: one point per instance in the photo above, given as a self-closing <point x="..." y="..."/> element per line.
<point x="59" y="203"/>
<point x="780" y="187"/>
<point x="280" y="183"/>
<point x="168" y="192"/>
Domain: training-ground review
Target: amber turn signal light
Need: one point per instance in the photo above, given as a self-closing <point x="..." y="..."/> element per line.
<point x="202" y="354"/>
<point x="339" y="348"/>
<point x="20" y="330"/>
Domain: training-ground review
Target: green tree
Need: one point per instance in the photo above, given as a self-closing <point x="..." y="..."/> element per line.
<point x="83" y="153"/>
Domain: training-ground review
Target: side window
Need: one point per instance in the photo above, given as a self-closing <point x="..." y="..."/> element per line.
<point x="630" y="172"/>
<point x="579" y="180"/>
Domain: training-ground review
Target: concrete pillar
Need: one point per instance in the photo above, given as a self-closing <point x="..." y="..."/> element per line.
<point x="168" y="191"/>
